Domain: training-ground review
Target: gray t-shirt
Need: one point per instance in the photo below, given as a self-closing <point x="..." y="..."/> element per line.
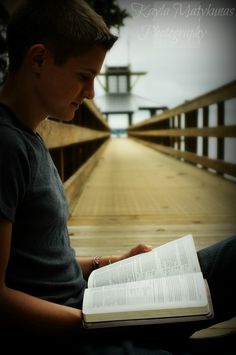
<point x="42" y="262"/>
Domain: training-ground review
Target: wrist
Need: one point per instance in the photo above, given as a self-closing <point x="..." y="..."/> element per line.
<point x="96" y="262"/>
<point x="100" y="261"/>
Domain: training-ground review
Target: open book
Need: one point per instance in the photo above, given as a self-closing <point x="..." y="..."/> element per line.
<point x="160" y="286"/>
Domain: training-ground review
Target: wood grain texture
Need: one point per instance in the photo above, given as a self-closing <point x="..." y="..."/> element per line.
<point x="133" y="185"/>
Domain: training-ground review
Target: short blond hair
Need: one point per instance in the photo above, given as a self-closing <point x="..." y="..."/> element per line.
<point x="67" y="27"/>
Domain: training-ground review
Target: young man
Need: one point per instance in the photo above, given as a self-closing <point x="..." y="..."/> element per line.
<point x="56" y="48"/>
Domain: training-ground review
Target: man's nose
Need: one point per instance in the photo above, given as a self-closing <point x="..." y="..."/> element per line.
<point x="89" y="92"/>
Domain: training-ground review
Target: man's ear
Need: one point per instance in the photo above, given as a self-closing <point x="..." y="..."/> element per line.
<point x="36" y="57"/>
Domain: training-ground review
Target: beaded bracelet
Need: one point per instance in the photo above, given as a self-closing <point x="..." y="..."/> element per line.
<point x="96" y="262"/>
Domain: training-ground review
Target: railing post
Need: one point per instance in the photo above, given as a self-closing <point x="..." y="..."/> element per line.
<point x="205" y="124"/>
<point x="221" y="122"/>
<point x="178" y="139"/>
<point x="191" y="121"/>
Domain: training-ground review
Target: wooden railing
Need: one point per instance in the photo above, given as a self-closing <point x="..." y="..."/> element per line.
<point x="75" y="147"/>
<point x="186" y="130"/>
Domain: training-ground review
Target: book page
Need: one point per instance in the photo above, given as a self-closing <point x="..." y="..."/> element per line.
<point x="163" y="297"/>
<point x="173" y="258"/>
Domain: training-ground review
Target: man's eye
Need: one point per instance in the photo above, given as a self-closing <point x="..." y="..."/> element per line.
<point x="82" y="77"/>
<point x="85" y="76"/>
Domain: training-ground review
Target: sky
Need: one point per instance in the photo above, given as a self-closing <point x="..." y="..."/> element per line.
<point x="187" y="48"/>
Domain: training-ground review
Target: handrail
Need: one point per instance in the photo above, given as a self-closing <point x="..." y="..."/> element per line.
<point x="176" y="131"/>
<point x="221" y="94"/>
<point x="58" y="135"/>
<point x="75" y="146"/>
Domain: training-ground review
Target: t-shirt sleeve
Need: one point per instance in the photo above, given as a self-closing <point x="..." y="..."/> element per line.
<point x="14" y="172"/>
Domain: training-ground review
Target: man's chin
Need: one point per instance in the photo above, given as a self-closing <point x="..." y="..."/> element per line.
<point x="67" y="119"/>
<point x="64" y="118"/>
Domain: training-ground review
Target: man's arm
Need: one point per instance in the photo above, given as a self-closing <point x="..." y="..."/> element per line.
<point x="86" y="263"/>
<point x="27" y="314"/>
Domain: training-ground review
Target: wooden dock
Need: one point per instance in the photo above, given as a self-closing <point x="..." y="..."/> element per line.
<point x="137" y="194"/>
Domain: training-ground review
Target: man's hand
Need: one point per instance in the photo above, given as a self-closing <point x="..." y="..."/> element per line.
<point x="138" y="249"/>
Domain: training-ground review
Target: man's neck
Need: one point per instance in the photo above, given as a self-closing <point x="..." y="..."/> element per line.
<point x="19" y="99"/>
